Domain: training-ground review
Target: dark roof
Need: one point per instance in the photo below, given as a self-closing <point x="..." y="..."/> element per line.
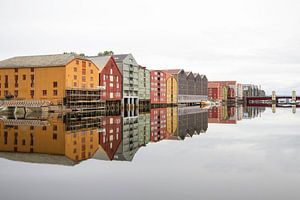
<point x="38" y="61"/>
<point x="120" y="57"/>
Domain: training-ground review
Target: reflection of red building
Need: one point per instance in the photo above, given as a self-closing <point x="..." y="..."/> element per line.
<point x="158" y="94"/>
<point x="111" y="136"/>
<point x="158" y="119"/>
<point x="222" y="115"/>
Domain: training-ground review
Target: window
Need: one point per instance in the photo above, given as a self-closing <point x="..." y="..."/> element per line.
<point x="31" y="93"/>
<point x="32" y="69"/>
<point x="77" y="62"/>
<point x="16" y="70"/>
<point x="89" y="64"/>
<point x="111" y="95"/>
<point x="55" y="84"/>
<point x="75" y="69"/>
<point x="16" y="93"/>
<point x="54" y="92"/>
<point x="75" y="84"/>
<point x="44" y="128"/>
<point x="54" y="136"/>
<point x="44" y="92"/>
<point x="111" y="85"/>
<point x="75" y="77"/>
<point x="32" y="77"/>
<point x="111" y="78"/>
<point x="91" y="78"/>
<point x="111" y="71"/>
<point x="83" y="78"/>
<point x="92" y="72"/>
<point x="117" y="78"/>
<point x="24" y="77"/>
<point x="54" y="127"/>
<point x="92" y="85"/>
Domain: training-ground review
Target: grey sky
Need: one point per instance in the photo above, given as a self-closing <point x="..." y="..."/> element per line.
<point x="255" y="41"/>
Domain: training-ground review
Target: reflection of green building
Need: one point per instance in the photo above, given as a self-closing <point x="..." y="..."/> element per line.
<point x="224" y="111"/>
<point x="130" y="139"/>
<point x="144" y="129"/>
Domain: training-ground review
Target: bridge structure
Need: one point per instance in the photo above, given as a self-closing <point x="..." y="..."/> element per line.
<point x="280" y="101"/>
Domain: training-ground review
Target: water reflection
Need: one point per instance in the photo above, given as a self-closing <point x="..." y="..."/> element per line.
<point x="233" y="114"/>
<point x="71" y="138"/>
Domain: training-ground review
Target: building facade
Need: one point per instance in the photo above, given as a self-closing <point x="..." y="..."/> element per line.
<point x="110" y="80"/>
<point x="217" y="91"/>
<point x="192" y="88"/>
<point x="158" y="93"/>
<point x="46" y="77"/>
<point x="172" y="89"/>
<point x="144" y="85"/>
<point x="222" y="90"/>
<point x="130" y="72"/>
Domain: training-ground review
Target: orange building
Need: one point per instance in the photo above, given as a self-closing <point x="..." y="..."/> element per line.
<point x="46" y="77"/>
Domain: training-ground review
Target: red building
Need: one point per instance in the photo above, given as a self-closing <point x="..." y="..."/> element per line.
<point x="158" y="123"/>
<point x="222" y="90"/>
<point x="158" y="93"/>
<point x="111" y="136"/>
<point x="110" y="79"/>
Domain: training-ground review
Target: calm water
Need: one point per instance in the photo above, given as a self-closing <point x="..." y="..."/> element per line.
<point x="169" y="153"/>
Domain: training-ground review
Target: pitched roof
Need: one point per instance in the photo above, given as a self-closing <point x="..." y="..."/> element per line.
<point x="120" y="57"/>
<point x="172" y="71"/>
<point x="38" y="61"/>
<point x="100" y="61"/>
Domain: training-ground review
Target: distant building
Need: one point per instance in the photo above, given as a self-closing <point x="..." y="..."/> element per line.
<point x="158" y="93"/>
<point x="250" y="90"/>
<point x="130" y="71"/>
<point x="222" y="90"/>
<point x="217" y="91"/>
<point x="47" y="77"/>
<point x="192" y="88"/>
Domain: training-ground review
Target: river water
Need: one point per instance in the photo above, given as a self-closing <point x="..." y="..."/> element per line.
<point x="167" y="153"/>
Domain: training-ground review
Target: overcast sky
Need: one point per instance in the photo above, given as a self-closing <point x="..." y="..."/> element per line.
<point x="255" y="41"/>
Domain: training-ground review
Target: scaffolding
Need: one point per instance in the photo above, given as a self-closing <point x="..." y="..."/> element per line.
<point x="83" y="120"/>
<point x="83" y="99"/>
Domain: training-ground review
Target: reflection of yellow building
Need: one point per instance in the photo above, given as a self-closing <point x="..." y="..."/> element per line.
<point x="50" y="139"/>
<point x="172" y="120"/>
<point x="46" y="77"/>
<point x="172" y="89"/>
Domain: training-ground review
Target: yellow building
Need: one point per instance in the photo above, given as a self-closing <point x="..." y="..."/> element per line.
<point x="46" y="77"/>
<point x="48" y="137"/>
<point x="172" y="89"/>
